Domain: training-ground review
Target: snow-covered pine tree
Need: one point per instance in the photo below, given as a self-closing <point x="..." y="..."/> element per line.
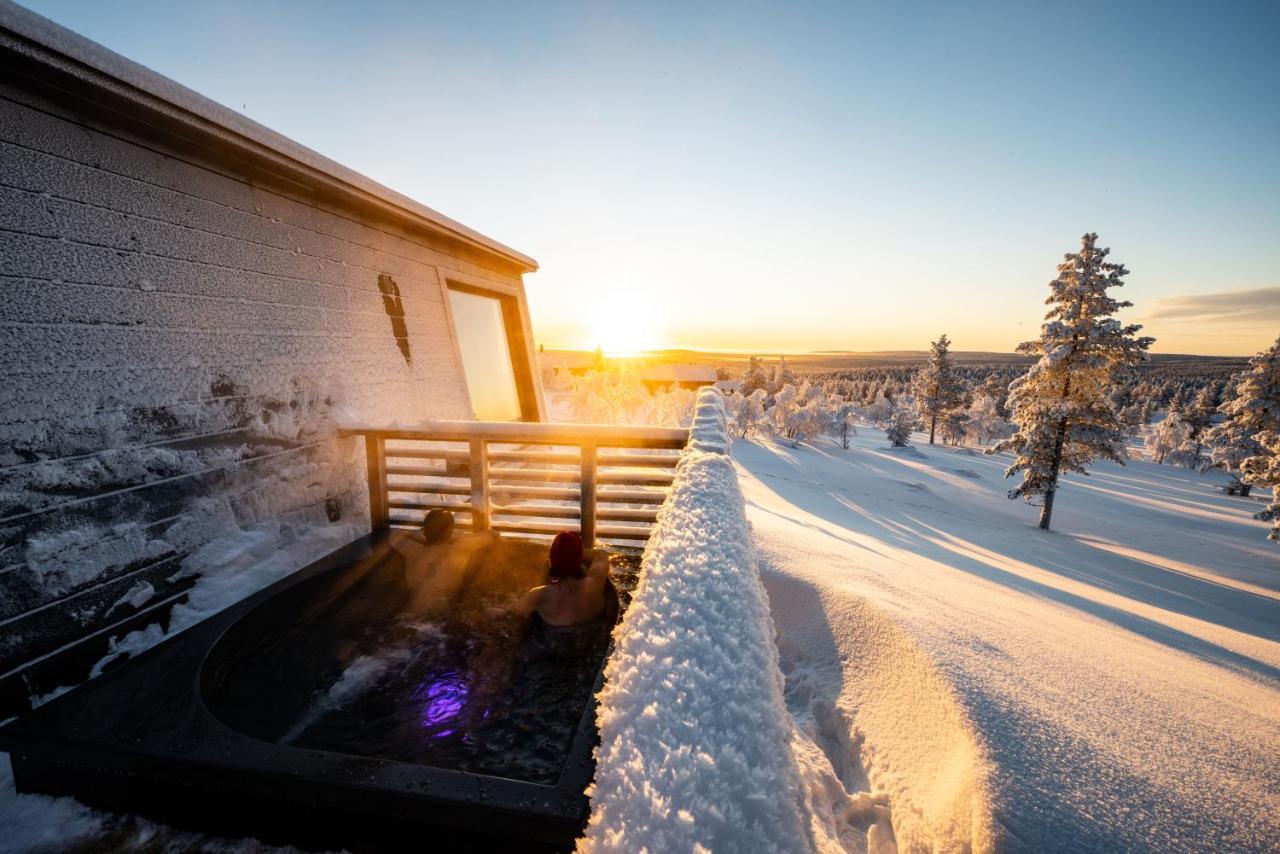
<point x="841" y="417"/>
<point x="754" y="377"/>
<point x="1165" y="439"/>
<point x="749" y="416"/>
<point x="782" y="376"/>
<point x="797" y="413"/>
<point x="1251" y="412"/>
<point x="952" y="425"/>
<point x="1264" y="470"/>
<point x="985" y="421"/>
<point x="1198" y="415"/>
<point x="997" y="389"/>
<point x="879" y="410"/>
<point x="1060" y="405"/>
<point x="936" y="387"/>
<point x="901" y="422"/>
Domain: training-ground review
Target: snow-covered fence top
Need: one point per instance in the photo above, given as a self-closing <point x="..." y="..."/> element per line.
<point x="693" y="731"/>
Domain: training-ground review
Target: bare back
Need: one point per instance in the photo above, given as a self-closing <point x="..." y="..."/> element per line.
<point x="571" y="600"/>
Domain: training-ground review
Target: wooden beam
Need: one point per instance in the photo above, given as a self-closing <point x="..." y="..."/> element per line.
<point x="588" y="486"/>
<point x="374" y="445"/>
<point x="479" y="485"/>
<point x="516" y="432"/>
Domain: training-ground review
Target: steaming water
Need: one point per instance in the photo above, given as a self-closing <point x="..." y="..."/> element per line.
<point x="419" y="663"/>
<point x="492" y="698"/>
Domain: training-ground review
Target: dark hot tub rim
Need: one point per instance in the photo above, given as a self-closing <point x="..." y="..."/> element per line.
<point x="141" y="739"/>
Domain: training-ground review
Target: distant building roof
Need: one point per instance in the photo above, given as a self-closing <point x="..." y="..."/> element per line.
<point x="646" y="370"/>
<point x="567" y="359"/>
<point x="664" y="372"/>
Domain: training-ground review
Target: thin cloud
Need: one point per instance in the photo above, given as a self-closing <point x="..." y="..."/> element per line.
<point x="1258" y="305"/>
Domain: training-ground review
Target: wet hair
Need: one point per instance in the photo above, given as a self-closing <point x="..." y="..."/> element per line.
<point x="437" y="527"/>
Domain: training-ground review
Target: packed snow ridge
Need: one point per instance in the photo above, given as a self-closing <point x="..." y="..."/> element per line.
<point x="697" y="749"/>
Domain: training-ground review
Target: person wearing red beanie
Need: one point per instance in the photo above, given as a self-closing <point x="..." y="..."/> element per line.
<point x="574" y="593"/>
<point x="566" y="557"/>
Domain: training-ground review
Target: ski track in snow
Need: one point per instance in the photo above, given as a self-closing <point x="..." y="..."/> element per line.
<point x="1111" y="685"/>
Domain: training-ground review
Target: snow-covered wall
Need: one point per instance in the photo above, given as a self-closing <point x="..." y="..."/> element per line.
<point x="694" y="735"/>
<point x="178" y="330"/>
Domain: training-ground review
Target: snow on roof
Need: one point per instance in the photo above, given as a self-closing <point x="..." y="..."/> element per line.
<point x="91" y="60"/>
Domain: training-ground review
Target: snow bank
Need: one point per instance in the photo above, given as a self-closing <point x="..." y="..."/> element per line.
<point x="232" y="567"/>
<point x="693" y="729"/>
<point x="1111" y="686"/>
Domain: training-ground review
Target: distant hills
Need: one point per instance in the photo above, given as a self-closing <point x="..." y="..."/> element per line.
<point x="835" y="360"/>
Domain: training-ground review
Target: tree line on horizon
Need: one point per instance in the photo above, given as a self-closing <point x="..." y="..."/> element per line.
<point x="1081" y="400"/>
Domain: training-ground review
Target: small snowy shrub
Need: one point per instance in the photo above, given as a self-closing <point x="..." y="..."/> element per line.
<point x="901" y="423"/>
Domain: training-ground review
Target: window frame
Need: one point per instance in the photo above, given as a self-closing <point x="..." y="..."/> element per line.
<point x="519" y="331"/>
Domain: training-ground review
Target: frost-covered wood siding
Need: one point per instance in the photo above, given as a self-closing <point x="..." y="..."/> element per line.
<point x="177" y="334"/>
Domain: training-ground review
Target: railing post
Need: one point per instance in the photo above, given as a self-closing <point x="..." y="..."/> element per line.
<point x="375" y="447"/>
<point x="479" y="485"/>
<point x="587" y="509"/>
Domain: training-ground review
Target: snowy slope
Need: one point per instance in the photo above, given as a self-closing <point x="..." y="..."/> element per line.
<point x="1113" y="685"/>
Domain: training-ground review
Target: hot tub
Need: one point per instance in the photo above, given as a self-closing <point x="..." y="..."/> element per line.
<point x="374" y="700"/>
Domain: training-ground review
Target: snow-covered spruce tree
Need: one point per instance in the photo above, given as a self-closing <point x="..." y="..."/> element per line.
<point x="1253" y="410"/>
<point x="952" y="426"/>
<point x="1166" y="439"/>
<point x="985" y="421"/>
<point x="749" y="417"/>
<point x="901" y="422"/>
<point x="1264" y="470"/>
<point x="782" y="376"/>
<point x="842" y="416"/>
<point x="754" y="377"/>
<point x="879" y="410"/>
<point x="936" y="387"/>
<point x="1060" y="406"/>
<point x="1199" y="416"/>
<point x="798" y="413"/>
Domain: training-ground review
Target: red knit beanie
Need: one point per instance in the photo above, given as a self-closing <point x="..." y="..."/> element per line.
<point x="566" y="556"/>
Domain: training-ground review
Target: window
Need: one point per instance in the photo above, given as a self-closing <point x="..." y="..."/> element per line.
<point x="481" y="322"/>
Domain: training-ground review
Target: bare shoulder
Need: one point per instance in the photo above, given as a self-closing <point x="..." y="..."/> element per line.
<point x="532" y="599"/>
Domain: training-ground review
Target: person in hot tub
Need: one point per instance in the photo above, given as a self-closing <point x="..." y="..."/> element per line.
<point x="575" y="590"/>
<point x="436" y="562"/>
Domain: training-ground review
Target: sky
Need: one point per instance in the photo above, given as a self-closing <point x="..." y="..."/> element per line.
<point x="788" y="177"/>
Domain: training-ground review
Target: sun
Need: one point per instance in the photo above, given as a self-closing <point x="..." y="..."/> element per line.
<point x="622" y="325"/>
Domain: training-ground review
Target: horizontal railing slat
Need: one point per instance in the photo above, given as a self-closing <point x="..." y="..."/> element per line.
<point x="428" y="505"/>
<point x="430" y="488"/>
<point x="541" y="457"/>
<point x="535" y="433"/>
<point x="608" y="532"/>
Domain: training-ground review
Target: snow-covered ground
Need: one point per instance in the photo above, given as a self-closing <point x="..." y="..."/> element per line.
<point x="1111" y="685"/>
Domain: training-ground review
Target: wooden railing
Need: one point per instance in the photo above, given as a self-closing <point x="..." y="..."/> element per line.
<point x="523" y="478"/>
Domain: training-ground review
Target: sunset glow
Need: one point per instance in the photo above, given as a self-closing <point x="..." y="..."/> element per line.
<point x="621" y="326"/>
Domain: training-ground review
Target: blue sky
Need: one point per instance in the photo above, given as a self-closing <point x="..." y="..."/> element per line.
<point x="770" y="177"/>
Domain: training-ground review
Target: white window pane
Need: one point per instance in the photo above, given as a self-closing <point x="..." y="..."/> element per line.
<point x="486" y="357"/>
